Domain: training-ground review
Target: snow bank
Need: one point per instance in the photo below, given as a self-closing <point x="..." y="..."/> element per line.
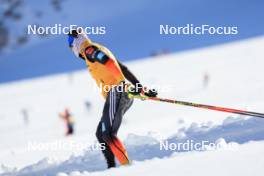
<point x="141" y="148"/>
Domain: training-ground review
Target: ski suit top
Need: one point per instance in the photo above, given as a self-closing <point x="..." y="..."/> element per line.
<point x="101" y="63"/>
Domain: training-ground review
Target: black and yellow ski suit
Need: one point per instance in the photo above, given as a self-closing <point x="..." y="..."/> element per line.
<point x="107" y="71"/>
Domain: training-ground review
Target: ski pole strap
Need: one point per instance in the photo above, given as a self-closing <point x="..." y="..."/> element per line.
<point x="202" y="106"/>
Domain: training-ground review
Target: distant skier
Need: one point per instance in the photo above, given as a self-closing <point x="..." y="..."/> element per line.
<point x="25" y="115"/>
<point x="67" y="117"/>
<point x="205" y="80"/>
<point x="107" y="71"/>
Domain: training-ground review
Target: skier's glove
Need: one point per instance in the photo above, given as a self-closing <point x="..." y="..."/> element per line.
<point x="151" y="93"/>
<point x="139" y="89"/>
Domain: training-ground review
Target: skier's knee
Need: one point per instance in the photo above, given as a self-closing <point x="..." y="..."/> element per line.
<point x="101" y="136"/>
<point x="98" y="133"/>
<point x="107" y="137"/>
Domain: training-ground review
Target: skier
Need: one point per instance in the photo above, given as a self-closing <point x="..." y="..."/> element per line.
<point x="206" y="79"/>
<point x="67" y="117"/>
<point x="107" y="71"/>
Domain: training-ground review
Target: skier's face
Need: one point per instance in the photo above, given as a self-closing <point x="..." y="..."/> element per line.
<point x="70" y="40"/>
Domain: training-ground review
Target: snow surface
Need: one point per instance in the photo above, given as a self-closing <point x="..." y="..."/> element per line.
<point x="132" y="30"/>
<point x="235" y="80"/>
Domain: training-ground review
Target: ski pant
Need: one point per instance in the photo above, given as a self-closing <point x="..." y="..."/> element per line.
<point x="117" y="103"/>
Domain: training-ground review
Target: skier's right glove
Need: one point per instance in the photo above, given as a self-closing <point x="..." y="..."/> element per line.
<point x="151" y="93"/>
<point x="139" y="89"/>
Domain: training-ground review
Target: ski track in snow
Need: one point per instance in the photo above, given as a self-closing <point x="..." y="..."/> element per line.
<point x="237" y="130"/>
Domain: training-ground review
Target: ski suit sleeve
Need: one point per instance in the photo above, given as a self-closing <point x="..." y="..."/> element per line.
<point x="129" y="75"/>
<point x="80" y="56"/>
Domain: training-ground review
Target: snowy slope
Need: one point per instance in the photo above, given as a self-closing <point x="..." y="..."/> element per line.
<point x="218" y="163"/>
<point x="132" y="30"/>
<point x="145" y="151"/>
<point x="236" y="81"/>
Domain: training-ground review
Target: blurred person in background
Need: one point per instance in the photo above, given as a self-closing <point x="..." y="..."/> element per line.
<point x="25" y="116"/>
<point x="205" y="80"/>
<point x="69" y="121"/>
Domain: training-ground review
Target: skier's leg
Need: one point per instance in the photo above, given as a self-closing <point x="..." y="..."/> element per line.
<point x="104" y="128"/>
<point x="114" y="109"/>
<point x="122" y="104"/>
<point x="118" y="149"/>
<point x="70" y="129"/>
<point x="108" y="154"/>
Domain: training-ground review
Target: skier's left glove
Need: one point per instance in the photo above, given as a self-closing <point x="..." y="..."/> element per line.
<point x="151" y="93"/>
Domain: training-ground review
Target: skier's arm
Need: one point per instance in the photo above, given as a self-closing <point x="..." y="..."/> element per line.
<point x="132" y="78"/>
<point x="80" y="56"/>
<point x="129" y="75"/>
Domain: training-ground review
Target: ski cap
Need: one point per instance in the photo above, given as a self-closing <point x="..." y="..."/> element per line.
<point x="71" y="35"/>
<point x="76" y="34"/>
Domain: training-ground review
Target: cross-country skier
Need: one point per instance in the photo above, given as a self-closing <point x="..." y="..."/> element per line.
<point x="69" y="121"/>
<point x="107" y="71"/>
